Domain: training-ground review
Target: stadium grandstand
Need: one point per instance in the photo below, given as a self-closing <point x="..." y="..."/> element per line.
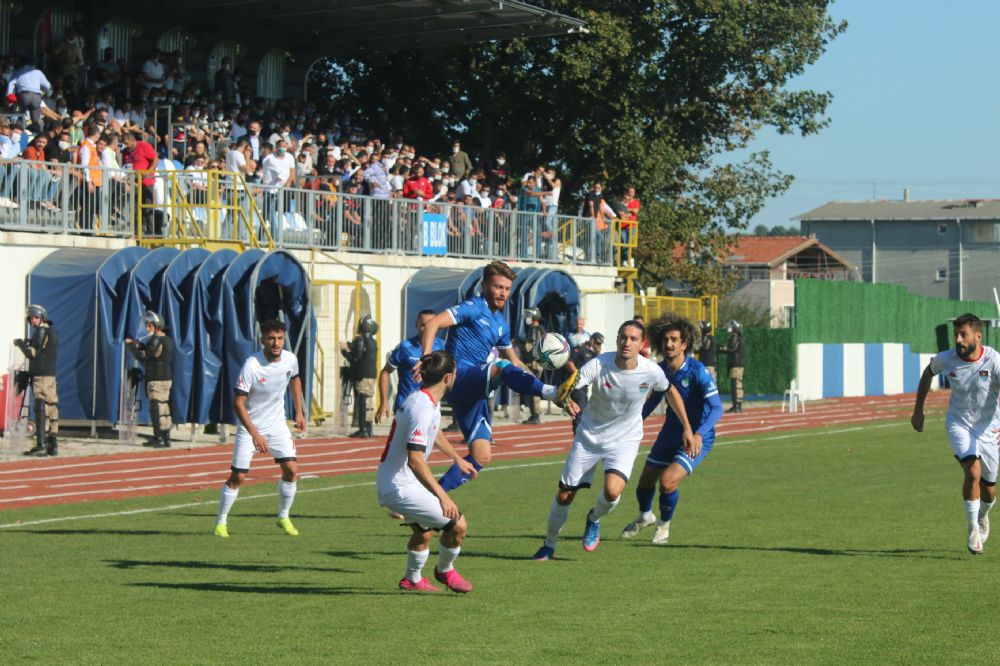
<point x="131" y="125"/>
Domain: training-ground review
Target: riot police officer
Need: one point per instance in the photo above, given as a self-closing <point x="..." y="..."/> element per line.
<point x="41" y="351"/>
<point x="734" y="358"/>
<point x="157" y="354"/>
<point x="708" y="354"/>
<point x="362" y="357"/>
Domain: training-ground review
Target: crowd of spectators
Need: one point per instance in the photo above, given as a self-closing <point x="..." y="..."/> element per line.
<point x="82" y="113"/>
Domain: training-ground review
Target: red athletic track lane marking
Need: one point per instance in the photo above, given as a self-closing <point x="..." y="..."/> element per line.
<point x="87" y="479"/>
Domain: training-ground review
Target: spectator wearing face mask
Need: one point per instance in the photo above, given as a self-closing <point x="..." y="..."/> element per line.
<point x="484" y="197"/>
<point x="467" y="187"/>
<point x="377" y="177"/>
<point x="253" y="137"/>
<point x="278" y="174"/>
<point x="499" y="172"/>
<point x="459" y="160"/>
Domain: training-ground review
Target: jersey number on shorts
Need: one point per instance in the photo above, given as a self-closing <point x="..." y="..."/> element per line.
<point x="388" y="441"/>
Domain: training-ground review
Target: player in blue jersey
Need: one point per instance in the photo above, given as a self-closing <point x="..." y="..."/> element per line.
<point x="668" y="461"/>
<point x="405" y="355"/>
<point x="477" y="325"/>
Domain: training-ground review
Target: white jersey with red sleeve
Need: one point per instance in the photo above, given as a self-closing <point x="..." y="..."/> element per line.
<point x="414" y="428"/>
<point x="975" y="388"/>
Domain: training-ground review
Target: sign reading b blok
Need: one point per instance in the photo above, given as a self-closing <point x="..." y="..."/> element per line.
<point x="434" y="233"/>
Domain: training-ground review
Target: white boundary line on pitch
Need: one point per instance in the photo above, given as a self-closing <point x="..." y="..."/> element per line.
<point x="188" y="505"/>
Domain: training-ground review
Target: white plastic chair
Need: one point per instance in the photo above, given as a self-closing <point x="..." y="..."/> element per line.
<point x="794" y="400"/>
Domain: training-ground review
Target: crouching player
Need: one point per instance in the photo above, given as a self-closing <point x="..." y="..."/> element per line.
<point x="406" y="485"/>
<point x="609" y="433"/>
<point x="670" y="461"/>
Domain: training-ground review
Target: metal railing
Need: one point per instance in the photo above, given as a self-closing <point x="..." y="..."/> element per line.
<point x="66" y="198"/>
<point x="188" y="207"/>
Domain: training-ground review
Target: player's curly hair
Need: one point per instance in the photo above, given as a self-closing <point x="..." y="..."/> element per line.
<point x="671" y="321"/>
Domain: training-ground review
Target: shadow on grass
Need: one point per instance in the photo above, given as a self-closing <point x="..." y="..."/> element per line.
<point x="916" y="553"/>
<point x="250" y="568"/>
<point x="115" y="532"/>
<point x="258" y="588"/>
<point x="295" y="516"/>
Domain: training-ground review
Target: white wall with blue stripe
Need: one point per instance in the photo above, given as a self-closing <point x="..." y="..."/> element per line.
<point x="858" y="369"/>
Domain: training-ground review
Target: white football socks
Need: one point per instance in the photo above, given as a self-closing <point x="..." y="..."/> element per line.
<point x="984" y="508"/>
<point x="549" y="392"/>
<point x="286" y="495"/>
<point x="226" y="500"/>
<point x="446" y="558"/>
<point x="603" y="507"/>
<point x="415" y="561"/>
<point x="972" y="512"/>
<point x="557" y="518"/>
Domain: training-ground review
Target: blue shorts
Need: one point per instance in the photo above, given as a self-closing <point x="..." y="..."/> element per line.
<point x="468" y="400"/>
<point x="669" y="448"/>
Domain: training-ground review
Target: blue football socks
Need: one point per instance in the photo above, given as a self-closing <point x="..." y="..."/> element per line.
<point x="454" y="477"/>
<point x="645" y="497"/>
<point x="668" y="503"/>
<point x="521" y="381"/>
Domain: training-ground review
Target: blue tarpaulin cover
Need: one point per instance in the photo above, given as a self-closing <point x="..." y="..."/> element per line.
<point x="145" y="285"/>
<point x="84" y="292"/>
<point x="212" y="304"/>
<point x="208" y="331"/>
<point x="178" y="309"/>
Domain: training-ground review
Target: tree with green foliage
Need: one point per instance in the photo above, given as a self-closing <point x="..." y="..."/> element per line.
<point x="655" y="95"/>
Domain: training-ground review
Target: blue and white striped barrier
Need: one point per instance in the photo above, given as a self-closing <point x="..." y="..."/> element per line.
<point x="858" y="369"/>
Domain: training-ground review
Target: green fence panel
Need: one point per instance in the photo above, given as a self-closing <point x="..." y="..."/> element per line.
<point x="838" y="312"/>
<point x="768" y="360"/>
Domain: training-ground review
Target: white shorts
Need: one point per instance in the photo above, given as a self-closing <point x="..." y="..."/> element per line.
<point x="418" y="505"/>
<point x="279" y="444"/>
<point x="984" y="447"/>
<point x="581" y="463"/>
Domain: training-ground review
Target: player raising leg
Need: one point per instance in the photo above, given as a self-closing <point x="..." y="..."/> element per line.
<point x="478" y="325"/>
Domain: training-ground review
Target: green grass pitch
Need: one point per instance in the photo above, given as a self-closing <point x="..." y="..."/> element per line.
<point x="827" y="546"/>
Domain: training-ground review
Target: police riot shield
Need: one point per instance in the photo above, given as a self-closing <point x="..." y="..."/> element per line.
<point x="17" y="427"/>
<point x="128" y="403"/>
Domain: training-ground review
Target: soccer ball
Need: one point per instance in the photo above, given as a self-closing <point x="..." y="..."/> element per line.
<point x="552" y="352"/>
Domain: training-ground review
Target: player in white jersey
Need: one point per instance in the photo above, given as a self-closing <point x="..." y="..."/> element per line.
<point x="259" y="404"/>
<point x="973" y="371"/>
<point x="406" y="485"/>
<point x="609" y="432"/>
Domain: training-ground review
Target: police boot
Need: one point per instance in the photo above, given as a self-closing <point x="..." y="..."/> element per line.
<point x="40" y="449"/>
<point x="163" y="441"/>
<point x="52" y="444"/>
<point x="732" y="391"/>
<point x="368" y="429"/>
<point x="359" y="410"/>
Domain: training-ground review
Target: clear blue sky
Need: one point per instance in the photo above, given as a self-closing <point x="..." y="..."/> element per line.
<point x="916" y="105"/>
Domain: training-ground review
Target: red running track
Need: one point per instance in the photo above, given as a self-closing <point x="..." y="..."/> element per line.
<point x="87" y="479"/>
